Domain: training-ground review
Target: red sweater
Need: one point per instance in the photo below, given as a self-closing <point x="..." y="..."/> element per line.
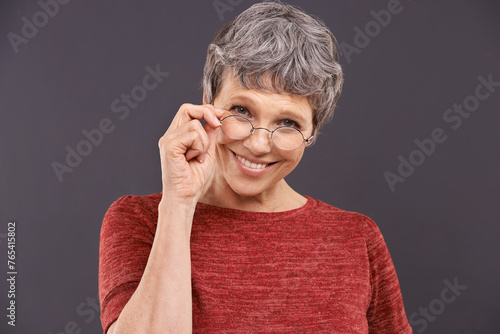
<point x="312" y="269"/>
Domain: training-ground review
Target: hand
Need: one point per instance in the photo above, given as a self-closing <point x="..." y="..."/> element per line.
<point x="187" y="151"/>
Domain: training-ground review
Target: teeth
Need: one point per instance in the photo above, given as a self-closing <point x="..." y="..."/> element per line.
<point x="251" y="164"/>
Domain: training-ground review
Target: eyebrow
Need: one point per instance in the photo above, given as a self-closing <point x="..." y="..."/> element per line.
<point x="248" y="100"/>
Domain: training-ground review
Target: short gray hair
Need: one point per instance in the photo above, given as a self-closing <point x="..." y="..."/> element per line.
<point x="280" y="42"/>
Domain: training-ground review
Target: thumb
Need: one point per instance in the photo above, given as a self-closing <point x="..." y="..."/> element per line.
<point x="213" y="134"/>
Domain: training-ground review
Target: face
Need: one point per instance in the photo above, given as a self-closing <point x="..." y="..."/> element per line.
<point x="254" y="165"/>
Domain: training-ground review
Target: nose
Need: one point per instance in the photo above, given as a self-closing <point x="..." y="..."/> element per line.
<point x="259" y="142"/>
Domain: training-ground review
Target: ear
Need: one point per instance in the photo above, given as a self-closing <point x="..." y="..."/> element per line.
<point x="204" y="97"/>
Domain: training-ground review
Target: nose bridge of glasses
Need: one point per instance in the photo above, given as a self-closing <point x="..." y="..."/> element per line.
<point x="255" y="140"/>
<point x="269" y="132"/>
<point x="260" y="142"/>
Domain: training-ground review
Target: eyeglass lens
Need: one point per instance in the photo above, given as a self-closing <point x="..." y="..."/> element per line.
<point x="238" y="127"/>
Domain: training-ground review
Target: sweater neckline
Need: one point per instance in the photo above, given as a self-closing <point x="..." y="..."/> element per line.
<point x="255" y="215"/>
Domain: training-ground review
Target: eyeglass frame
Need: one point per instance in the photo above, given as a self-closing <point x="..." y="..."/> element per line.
<point x="271" y="133"/>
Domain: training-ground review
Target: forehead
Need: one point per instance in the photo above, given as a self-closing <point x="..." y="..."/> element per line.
<point x="232" y="92"/>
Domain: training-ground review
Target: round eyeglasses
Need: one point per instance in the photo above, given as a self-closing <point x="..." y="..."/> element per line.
<point x="285" y="138"/>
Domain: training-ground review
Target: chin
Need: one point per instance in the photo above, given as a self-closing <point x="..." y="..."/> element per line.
<point x="244" y="189"/>
<point x="246" y="180"/>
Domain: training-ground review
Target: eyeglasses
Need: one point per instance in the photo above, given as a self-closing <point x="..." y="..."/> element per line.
<point x="285" y="137"/>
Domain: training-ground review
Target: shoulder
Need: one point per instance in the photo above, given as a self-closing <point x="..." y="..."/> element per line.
<point x="135" y="202"/>
<point x="350" y="222"/>
<point x="132" y="211"/>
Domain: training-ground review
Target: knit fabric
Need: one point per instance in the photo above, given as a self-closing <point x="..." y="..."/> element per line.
<point x="313" y="269"/>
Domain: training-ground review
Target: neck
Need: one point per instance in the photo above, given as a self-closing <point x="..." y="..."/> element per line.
<point x="280" y="197"/>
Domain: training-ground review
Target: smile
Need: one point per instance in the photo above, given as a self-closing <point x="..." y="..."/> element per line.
<point x="252" y="168"/>
<point x="251" y="164"/>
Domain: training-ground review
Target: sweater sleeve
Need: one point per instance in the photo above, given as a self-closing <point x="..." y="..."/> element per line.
<point x="386" y="313"/>
<point x="125" y="244"/>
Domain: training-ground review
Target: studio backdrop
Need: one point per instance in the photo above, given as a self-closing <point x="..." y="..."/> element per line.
<point x="87" y="88"/>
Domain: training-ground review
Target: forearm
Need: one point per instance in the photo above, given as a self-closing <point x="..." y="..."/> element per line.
<point x="162" y="302"/>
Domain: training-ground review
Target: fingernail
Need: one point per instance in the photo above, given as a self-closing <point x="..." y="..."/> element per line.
<point x="202" y="157"/>
<point x="216" y="120"/>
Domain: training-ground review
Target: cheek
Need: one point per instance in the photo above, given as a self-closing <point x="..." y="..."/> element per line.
<point x="222" y="139"/>
<point x="292" y="157"/>
<point x="222" y="147"/>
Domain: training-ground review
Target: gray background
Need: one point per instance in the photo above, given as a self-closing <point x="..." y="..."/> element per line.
<point x="439" y="224"/>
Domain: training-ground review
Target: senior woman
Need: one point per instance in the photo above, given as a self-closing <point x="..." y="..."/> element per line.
<point x="228" y="245"/>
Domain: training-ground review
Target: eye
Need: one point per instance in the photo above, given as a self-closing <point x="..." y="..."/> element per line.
<point x="291" y="123"/>
<point x="239" y="110"/>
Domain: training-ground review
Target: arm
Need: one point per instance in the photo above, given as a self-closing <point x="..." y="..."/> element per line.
<point x="162" y="301"/>
<point x="386" y="313"/>
<point x="152" y="278"/>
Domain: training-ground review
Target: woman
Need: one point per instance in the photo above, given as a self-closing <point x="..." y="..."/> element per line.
<point x="229" y="246"/>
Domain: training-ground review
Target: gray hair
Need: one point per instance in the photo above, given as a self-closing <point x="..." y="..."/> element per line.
<point x="276" y="41"/>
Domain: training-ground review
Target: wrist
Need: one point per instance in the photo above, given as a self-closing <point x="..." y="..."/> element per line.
<point x="173" y="200"/>
<point x="175" y="216"/>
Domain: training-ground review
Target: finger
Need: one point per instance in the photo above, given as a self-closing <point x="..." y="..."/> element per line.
<point x="209" y="144"/>
<point x="219" y="112"/>
<point x="207" y="112"/>
<point x="192" y="145"/>
<point x="190" y="140"/>
<point x="201" y="142"/>
<point x="194" y="153"/>
<point x="212" y="135"/>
